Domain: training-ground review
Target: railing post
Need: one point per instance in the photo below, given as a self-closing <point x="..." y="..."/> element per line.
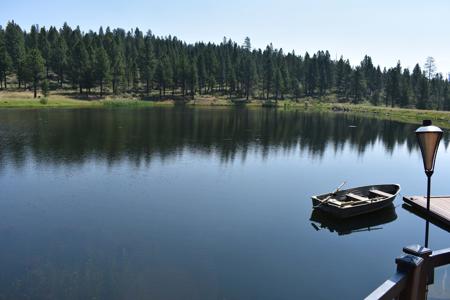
<point x="418" y="258"/>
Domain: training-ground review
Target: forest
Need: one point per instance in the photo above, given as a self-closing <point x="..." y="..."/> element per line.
<point x="120" y="62"/>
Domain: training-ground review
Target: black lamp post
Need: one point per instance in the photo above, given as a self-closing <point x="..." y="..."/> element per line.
<point x="428" y="137"/>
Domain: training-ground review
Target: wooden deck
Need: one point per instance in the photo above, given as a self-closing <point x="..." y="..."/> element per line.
<point x="439" y="206"/>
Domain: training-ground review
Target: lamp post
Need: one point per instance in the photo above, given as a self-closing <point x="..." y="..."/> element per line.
<point x="428" y="137"/>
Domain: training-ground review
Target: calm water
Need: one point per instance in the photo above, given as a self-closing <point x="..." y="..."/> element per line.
<point x="173" y="203"/>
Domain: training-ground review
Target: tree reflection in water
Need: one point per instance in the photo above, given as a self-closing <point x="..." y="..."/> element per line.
<point x="139" y="135"/>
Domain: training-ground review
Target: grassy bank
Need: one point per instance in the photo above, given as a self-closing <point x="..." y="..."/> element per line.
<point x="440" y="118"/>
<point x="25" y="100"/>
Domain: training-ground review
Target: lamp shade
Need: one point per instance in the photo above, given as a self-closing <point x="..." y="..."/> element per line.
<point x="428" y="137"/>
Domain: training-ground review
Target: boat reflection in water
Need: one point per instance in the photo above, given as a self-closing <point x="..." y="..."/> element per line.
<point x="373" y="221"/>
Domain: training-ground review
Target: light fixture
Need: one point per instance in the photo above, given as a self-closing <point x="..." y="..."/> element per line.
<point x="428" y="137"/>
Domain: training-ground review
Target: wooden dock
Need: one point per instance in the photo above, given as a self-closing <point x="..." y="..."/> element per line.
<point x="439" y="206"/>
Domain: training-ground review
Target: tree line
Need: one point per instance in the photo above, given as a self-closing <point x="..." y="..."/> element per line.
<point x="118" y="62"/>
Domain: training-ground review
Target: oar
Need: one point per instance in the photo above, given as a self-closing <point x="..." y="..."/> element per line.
<point x="331" y="194"/>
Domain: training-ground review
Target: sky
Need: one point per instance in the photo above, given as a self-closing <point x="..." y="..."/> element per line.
<point x="388" y="31"/>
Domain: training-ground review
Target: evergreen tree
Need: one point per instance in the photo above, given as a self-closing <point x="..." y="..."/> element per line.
<point x="192" y="78"/>
<point x="423" y="93"/>
<point x="161" y="75"/>
<point x="296" y="89"/>
<point x="249" y="75"/>
<point x="5" y="60"/>
<point x="44" y="48"/>
<point x="147" y="62"/>
<point x="231" y="76"/>
<point x="202" y="74"/>
<point x="117" y="67"/>
<point x="79" y="64"/>
<point x="32" y="39"/>
<point x="393" y="89"/>
<point x="446" y="96"/>
<point x="15" y="45"/>
<point x="356" y="86"/>
<point x="35" y="68"/>
<point x="247" y="44"/>
<point x="58" y="58"/>
<point x="269" y="70"/>
<point x="405" y="93"/>
<point x="102" y="68"/>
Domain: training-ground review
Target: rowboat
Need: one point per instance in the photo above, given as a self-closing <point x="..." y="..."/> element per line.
<point x="356" y="201"/>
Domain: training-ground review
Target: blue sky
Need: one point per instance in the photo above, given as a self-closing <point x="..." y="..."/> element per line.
<point x="388" y="31"/>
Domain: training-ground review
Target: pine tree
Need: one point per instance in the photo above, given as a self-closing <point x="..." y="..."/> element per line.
<point x="393" y="89"/>
<point x="249" y="75"/>
<point x="193" y="78"/>
<point x="35" y="68"/>
<point x="231" y="76"/>
<point x="117" y="67"/>
<point x="268" y="70"/>
<point x="247" y="44"/>
<point x="212" y="65"/>
<point x="296" y="89"/>
<point x="58" y="58"/>
<point x="147" y="62"/>
<point x="405" y="93"/>
<point x="356" y="86"/>
<point x="102" y="68"/>
<point x="311" y="74"/>
<point x="44" y="48"/>
<point x="446" y="96"/>
<point x="15" y="45"/>
<point x="202" y="73"/>
<point x="5" y="60"/>
<point x="163" y="75"/>
<point x="423" y="94"/>
<point x="32" y="38"/>
<point x="79" y="64"/>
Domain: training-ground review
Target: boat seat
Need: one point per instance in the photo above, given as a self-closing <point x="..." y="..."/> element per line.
<point x="380" y="193"/>
<point x="339" y="203"/>
<point x="336" y="202"/>
<point x="355" y="197"/>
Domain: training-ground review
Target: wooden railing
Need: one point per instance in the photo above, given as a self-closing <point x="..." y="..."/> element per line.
<point x="415" y="270"/>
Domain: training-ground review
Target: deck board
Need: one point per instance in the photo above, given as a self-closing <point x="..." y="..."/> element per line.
<point x="439" y="206"/>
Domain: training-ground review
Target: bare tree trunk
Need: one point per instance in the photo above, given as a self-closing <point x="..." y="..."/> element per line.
<point x="35" y="88"/>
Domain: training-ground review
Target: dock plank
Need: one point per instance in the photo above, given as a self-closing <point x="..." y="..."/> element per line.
<point x="439" y="206"/>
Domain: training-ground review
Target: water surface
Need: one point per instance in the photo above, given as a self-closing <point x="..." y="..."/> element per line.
<point x="183" y="203"/>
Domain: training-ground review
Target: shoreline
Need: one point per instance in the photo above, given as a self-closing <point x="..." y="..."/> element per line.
<point x="19" y="101"/>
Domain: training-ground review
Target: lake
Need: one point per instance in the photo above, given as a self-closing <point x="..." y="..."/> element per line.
<point x="210" y="203"/>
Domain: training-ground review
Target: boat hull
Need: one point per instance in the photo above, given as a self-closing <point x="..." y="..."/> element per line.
<point x="351" y="211"/>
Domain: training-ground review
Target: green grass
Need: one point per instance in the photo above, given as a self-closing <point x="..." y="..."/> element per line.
<point x="25" y="100"/>
<point x="440" y="118"/>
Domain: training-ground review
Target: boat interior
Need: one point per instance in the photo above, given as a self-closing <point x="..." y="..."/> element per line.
<point x="355" y="197"/>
